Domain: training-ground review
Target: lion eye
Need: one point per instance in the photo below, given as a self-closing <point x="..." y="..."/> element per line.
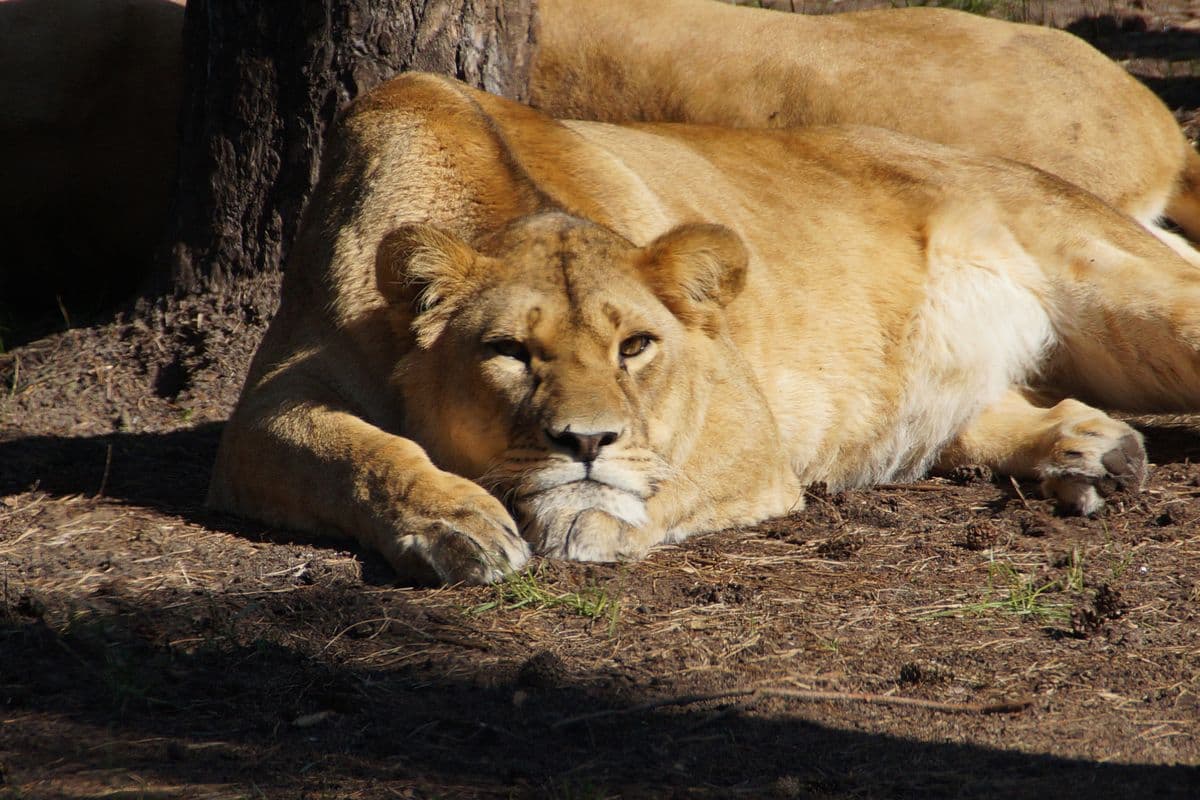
<point x="510" y="348"/>
<point x="635" y="345"/>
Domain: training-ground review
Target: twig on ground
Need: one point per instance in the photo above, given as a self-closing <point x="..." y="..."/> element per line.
<point x="915" y="487"/>
<point x="104" y="478"/>
<point x="684" y="700"/>
<point x="1017" y="488"/>
<point x="754" y="695"/>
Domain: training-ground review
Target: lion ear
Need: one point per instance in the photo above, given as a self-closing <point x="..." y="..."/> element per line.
<point x="696" y="269"/>
<point x="422" y="270"/>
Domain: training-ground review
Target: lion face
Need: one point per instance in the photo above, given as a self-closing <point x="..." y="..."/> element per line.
<point x="560" y="365"/>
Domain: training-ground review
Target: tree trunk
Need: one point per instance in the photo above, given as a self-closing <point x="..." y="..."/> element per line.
<point x="263" y="80"/>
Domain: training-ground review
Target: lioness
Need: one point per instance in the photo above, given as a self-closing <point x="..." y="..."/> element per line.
<point x="1024" y="92"/>
<point x="631" y="334"/>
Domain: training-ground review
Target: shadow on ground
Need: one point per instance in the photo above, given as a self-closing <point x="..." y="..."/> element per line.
<point x="323" y="686"/>
<point x="181" y="714"/>
<point x="1127" y="39"/>
<point x="166" y="471"/>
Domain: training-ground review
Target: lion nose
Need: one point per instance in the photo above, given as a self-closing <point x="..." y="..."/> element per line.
<point x="584" y="446"/>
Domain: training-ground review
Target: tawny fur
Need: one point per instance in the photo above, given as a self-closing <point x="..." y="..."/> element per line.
<point x="1025" y="92"/>
<point x="482" y="295"/>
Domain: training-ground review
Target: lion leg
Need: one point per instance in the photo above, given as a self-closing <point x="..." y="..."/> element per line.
<point x="1077" y="452"/>
<point x="320" y="469"/>
<point x="1126" y="313"/>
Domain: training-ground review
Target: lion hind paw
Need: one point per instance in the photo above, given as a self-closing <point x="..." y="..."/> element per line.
<point x="1091" y="461"/>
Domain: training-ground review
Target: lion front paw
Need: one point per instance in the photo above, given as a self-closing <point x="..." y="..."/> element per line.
<point x="1093" y="456"/>
<point x="594" y="536"/>
<point x="469" y="539"/>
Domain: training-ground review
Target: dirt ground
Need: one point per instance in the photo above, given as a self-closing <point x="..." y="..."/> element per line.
<point x="948" y="639"/>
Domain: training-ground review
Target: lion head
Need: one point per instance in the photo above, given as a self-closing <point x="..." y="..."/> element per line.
<point x="557" y="363"/>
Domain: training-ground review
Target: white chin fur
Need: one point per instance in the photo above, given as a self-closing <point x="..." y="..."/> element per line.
<point x="548" y="515"/>
<point x="568" y="500"/>
<point x="552" y="490"/>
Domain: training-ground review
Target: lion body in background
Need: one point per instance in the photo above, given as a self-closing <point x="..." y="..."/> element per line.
<point x="1029" y="93"/>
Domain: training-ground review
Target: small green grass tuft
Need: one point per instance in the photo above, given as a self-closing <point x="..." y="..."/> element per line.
<point x="831" y="644"/>
<point x="525" y="590"/>
<point x="1072" y="579"/>
<point x="1012" y="592"/>
<point x="1121" y="566"/>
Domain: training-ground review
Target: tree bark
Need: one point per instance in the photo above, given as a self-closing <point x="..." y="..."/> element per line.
<point x="263" y="80"/>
